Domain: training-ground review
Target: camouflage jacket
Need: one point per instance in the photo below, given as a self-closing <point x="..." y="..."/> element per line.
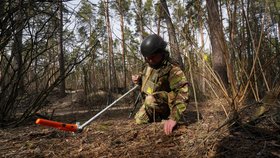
<point x="170" y="79"/>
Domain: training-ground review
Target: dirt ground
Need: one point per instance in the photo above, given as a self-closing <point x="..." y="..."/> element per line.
<point x="113" y="134"/>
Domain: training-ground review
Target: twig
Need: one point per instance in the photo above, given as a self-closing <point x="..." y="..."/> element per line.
<point x="227" y="121"/>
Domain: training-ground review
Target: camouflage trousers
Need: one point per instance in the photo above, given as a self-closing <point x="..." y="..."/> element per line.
<point x="154" y="109"/>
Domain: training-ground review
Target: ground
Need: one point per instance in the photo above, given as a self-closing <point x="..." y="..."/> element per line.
<point x="113" y="134"/>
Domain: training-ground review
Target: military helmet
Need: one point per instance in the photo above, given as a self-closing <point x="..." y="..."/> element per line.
<point x="152" y="44"/>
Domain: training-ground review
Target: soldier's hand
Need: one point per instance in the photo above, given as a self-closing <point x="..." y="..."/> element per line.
<point x="135" y="79"/>
<point x="168" y="126"/>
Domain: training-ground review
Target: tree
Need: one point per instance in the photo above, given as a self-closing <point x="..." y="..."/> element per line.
<point x="139" y="18"/>
<point x="60" y="48"/>
<point x="89" y="31"/>
<point x="17" y="47"/>
<point x="217" y="40"/>
<point x="174" y="47"/>
<point x="36" y="64"/>
<point x="111" y="65"/>
<point x="122" y="7"/>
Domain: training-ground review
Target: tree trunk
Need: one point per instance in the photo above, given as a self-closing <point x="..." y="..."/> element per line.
<point x="217" y="40"/>
<point x="123" y="49"/>
<point x="112" y="71"/>
<point x="200" y="21"/>
<point x="141" y="20"/>
<point x="159" y="10"/>
<point x="109" y="49"/>
<point x="60" y="48"/>
<point x="2" y="27"/>
<point x="174" y="47"/>
<point x="17" y="50"/>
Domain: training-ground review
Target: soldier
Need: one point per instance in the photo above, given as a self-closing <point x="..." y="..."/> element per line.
<point x="163" y="85"/>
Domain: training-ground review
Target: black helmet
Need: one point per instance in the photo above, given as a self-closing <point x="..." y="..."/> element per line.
<point x="152" y="44"/>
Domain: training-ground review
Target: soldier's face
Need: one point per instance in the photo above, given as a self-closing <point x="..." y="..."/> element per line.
<point x="154" y="59"/>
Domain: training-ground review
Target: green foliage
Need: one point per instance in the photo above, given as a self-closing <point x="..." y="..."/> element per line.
<point x="85" y="13"/>
<point x="148" y="7"/>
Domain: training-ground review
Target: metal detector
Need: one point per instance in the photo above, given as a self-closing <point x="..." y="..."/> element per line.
<point x="77" y="127"/>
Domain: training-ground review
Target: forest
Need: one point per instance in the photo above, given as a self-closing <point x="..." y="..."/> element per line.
<point x="66" y="60"/>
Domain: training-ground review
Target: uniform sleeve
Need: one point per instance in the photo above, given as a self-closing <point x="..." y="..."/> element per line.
<point x="178" y="97"/>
